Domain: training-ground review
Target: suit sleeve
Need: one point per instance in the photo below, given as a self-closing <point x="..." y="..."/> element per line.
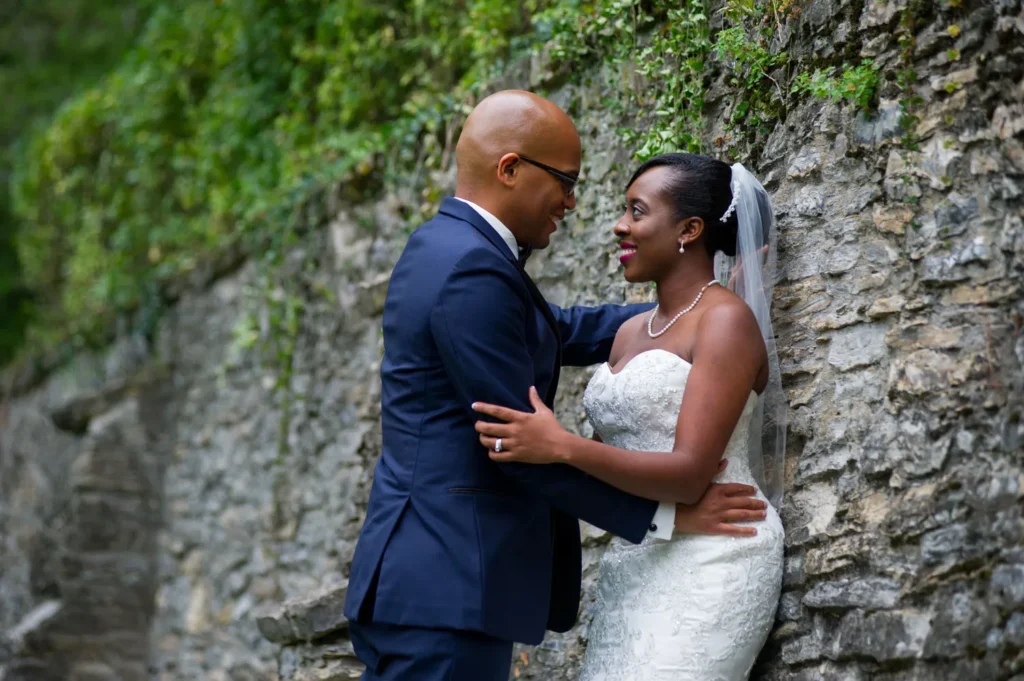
<point x="478" y="323"/>
<point x="588" y="332"/>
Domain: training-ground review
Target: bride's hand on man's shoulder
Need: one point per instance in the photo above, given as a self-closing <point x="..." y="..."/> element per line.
<point x="522" y="436"/>
<point x="718" y="511"/>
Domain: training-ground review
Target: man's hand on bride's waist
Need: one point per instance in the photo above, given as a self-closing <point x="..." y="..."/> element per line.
<point x="539" y="438"/>
<point x="718" y="511"/>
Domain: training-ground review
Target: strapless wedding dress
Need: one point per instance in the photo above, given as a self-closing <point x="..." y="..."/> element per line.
<point x="695" y="608"/>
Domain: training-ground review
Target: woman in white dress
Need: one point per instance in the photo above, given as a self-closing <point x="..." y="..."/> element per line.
<point x="687" y="385"/>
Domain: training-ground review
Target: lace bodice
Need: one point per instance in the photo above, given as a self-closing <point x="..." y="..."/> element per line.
<point x="695" y="608"/>
<point x="637" y="409"/>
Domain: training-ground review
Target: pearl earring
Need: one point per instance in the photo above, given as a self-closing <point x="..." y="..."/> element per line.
<point x="682" y="247"/>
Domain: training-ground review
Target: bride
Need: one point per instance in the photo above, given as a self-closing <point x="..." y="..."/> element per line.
<point x="687" y="385"/>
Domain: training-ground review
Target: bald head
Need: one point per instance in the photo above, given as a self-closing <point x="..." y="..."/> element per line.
<point x="511" y="121"/>
<point x="518" y="157"/>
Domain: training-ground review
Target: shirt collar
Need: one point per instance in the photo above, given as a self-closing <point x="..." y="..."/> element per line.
<point x="499" y="227"/>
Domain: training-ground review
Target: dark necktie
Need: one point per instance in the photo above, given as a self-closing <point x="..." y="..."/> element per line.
<point x="524" y="254"/>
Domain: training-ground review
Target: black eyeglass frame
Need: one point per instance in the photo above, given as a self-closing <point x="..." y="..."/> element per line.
<point x="568" y="181"/>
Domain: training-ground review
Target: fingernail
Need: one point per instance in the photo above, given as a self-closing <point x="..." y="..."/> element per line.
<point x="764" y="514"/>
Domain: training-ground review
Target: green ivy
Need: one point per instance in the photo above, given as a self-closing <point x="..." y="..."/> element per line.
<point x="225" y="117"/>
<point x="755" y="65"/>
<point x="673" y="64"/>
<point x="578" y="31"/>
<point x="759" y="97"/>
<point x="228" y="120"/>
<point x="654" y="55"/>
<point x="858" y="85"/>
<point x="906" y="76"/>
<point x="49" y="50"/>
<point x="762" y="75"/>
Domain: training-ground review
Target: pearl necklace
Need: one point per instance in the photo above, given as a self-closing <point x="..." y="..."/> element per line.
<point x="650" y="320"/>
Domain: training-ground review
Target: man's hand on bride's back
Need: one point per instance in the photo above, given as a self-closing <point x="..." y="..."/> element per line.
<point x="719" y="509"/>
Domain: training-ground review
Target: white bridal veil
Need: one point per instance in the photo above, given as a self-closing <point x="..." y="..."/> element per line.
<point x="751" y="275"/>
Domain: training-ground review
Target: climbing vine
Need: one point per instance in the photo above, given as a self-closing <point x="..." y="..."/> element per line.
<point x="229" y="122"/>
<point x="674" y="64"/>
<point x="224" y="117"/>
<point x="858" y="84"/>
<point x="906" y="76"/>
<point x="228" y="115"/>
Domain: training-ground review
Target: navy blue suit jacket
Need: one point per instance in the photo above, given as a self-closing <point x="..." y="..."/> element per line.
<point x="452" y="539"/>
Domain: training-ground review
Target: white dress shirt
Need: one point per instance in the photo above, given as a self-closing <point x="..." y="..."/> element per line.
<point x="504" y="232"/>
<point x="664" y="520"/>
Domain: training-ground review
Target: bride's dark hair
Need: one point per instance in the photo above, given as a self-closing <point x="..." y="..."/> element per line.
<point x="700" y="187"/>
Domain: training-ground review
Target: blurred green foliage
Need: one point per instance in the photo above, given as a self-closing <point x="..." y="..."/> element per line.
<point x="222" y="116"/>
<point x="49" y="50"/>
<point x="226" y="116"/>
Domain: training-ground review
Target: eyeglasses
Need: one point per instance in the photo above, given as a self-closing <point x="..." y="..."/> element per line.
<point x="568" y="181"/>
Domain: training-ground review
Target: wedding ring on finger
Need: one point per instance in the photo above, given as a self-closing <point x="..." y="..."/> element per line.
<point x="497" y="445"/>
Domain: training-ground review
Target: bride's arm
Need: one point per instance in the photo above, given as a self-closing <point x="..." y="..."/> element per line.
<point x="719" y="510"/>
<point x="728" y="356"/>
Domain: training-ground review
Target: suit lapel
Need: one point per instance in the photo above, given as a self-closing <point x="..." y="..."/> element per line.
<point x="463" y="211"/>
<point x="457" y="209"/>
<point x="545" y="310"/>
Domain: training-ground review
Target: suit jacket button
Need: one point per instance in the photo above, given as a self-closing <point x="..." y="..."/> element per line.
<point x="653" y="527"/>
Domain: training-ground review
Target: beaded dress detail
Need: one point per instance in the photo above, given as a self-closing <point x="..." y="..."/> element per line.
<point x="694" y="608"/>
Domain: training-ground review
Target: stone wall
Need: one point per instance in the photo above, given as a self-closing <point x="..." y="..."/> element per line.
<point x="899" y="311"/>
<point x="81" y="467"/>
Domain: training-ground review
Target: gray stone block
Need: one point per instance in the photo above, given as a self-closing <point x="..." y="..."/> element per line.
<point x="306" y="619"/>
<point x="868" y="593"/>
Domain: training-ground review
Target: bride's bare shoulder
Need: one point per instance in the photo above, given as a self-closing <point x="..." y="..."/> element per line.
<point x="729" y="328"/>
<point x="629" y="331"/>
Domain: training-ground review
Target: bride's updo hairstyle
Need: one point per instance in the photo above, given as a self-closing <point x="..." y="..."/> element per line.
<point x="700" y="188"/>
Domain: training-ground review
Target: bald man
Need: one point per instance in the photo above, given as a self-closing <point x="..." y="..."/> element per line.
<point x="460" y="556"/>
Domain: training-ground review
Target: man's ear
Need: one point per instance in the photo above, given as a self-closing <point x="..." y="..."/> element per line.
<point x="690" y="229"/>
<point x="508" y="169"/>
